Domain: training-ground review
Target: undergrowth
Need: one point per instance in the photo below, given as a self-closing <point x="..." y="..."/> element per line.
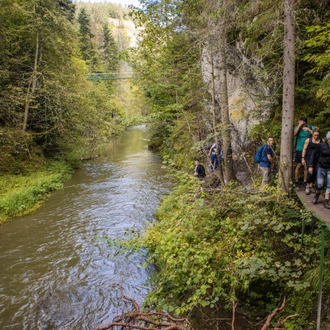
<point x="22" y="194"/>
<point x="216" y="248"/>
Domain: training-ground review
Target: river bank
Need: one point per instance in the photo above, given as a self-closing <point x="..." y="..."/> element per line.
<point x="23" y="194"/>
<point x="56" y="265"/>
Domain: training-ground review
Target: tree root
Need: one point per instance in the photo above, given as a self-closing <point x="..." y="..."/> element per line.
<point x="280" y="323"/>
<point x="160" y="320"/>
<point x="272" y="314"/>
<point x="146" y="320"/>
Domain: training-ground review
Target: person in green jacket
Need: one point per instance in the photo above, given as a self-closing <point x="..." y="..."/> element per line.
<point x="302" y="132"/>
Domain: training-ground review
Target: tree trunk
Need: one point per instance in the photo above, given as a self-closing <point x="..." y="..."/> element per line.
<point x="285" y="166"/>
<point x="226" y="125"/>
<point x="215" y="122"/>
<point x="33" y="83"/>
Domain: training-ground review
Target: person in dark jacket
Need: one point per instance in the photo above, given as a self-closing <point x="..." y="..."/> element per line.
<point x="309" y="146"/>
<point x="321" y="155"/>
<point x="199" y="169"/>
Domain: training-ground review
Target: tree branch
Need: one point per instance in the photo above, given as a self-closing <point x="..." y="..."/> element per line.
<point x="271" y="316"/>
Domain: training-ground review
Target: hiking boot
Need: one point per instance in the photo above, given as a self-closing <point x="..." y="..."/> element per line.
<point x="308" y="190"/>
<point x="315" y="198"/>
<point x="305" y="184"/>
<point x="326" y="204"/>
<point x="296" y="184"/>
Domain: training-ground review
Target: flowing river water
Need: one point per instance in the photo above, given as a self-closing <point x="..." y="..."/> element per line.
<point x="55" y="269"/>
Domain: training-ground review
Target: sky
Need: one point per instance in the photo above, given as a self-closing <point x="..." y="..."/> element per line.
<point x="123" y="2"/>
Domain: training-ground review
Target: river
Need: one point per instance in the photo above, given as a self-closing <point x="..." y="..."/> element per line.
<point x="56" y="269"/>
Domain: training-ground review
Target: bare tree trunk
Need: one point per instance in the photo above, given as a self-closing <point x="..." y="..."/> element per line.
<point x="33" y="83"/>
<point x="215" y="121"/>
<point x="217" y="15"/>
<point x="226" y="130"/>
<point x="285" y="166"/>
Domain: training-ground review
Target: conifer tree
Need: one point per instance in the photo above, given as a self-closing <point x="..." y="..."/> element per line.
<point x="110" y="50"/>
<point x="288" y="95"/>
<point x="68" y="8"/>
<point x="88" y="50"/>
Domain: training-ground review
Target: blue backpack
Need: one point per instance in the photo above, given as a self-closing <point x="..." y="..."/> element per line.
<point x="258" y="156"/>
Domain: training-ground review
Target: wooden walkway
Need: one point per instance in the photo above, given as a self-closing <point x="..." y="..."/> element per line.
<point x="319" y="211"/>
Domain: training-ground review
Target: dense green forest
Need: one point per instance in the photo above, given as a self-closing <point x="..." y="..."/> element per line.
<point x="55" y="110"/>
<point x="207" y="71"/>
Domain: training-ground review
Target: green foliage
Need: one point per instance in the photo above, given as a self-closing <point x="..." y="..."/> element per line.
<point x="68" y="7"/>
<point x="41" y="71"/>
<point x="237" y="245"/>
<point x="167" y="61"/>
<point x="263" y="35"/>
<point x="319" y="56"/>
<point x="22" y="194"/>
<point x="114" y="16"/>
<point x="320" y="42"/>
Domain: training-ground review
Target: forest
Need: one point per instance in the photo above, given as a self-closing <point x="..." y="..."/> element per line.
<point x="55" y="110"/>
<point x="227" y="250"/>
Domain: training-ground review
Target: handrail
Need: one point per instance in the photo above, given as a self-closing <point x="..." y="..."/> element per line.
<point x="319" y="307"/>
<point x="325" y="226"/>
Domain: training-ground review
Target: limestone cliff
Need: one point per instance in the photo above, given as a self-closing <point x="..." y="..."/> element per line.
<point x="250" y="90"/>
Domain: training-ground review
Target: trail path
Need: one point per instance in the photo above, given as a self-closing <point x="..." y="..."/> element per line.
<point x="318" y="210"/>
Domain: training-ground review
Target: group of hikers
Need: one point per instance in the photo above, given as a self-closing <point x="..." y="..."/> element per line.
<point x="312" y="154"/>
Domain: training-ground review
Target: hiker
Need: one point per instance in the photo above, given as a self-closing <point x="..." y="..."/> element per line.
<point x="267" y="160"/>
<point x="199" y="169"/>
<point x="302" y="132"/>
<point x="309" y="146"/>
<point x="214" y="157"/>
<point x="321" y="155"/>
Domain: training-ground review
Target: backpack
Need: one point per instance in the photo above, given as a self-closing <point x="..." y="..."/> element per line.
<point x="258" y="156"/>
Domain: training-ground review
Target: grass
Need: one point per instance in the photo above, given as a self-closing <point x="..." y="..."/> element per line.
<point x="23" y="194"/>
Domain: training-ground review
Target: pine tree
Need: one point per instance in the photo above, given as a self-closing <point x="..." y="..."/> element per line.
<point x="288" y="95"/>
<point x="68" y="8"/>
<point x="110" y="50"/>
<point x="88" y="50"/>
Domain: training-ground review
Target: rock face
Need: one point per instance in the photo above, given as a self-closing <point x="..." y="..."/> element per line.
<point x="249" y="91"/>
<point x="125" y="27"/>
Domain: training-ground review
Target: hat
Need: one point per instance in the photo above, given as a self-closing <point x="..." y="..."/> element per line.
<point x="328" y="135"/>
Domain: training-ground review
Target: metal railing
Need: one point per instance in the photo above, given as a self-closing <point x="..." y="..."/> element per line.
<point x="325" y="226"/>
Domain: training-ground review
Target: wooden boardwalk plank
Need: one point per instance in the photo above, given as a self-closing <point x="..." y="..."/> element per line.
<point x="319" y="211"/>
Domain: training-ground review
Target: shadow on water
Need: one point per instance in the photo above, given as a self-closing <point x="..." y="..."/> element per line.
<point x="54" y="270"/>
